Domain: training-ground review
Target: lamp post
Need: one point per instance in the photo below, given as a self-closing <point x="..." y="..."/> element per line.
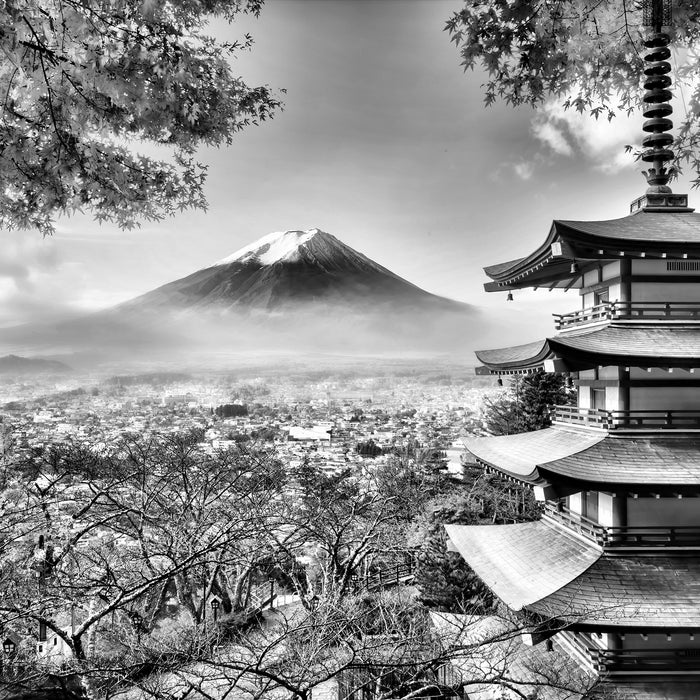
<point x="8" y="647"/>
<point x="215" y="608"/>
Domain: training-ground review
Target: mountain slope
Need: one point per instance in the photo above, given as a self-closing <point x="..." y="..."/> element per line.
<point x="293" y="291"/>
<point x="287" y="270"/>
<point x="15" y="365"/>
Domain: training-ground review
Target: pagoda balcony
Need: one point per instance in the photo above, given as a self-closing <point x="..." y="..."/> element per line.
<point x="629" y="311"/>
<point x="575" y="522"/>
<point x="626" y="537"/>
<point x="645" y="661"/>
<point x="624" y="420"/>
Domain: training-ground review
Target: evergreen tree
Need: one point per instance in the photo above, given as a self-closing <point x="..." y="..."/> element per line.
<point x="527" y="405"/>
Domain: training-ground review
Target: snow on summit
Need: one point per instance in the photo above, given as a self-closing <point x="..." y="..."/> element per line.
<point x="272" y="248"/>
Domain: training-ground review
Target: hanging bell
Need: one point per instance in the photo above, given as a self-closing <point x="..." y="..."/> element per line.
<point x="499" y="381"/>
<point x="574" y="268"/>
<point x="510" y="296"/>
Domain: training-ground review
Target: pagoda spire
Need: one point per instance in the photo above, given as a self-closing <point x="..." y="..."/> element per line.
<point x="657" y="110"/>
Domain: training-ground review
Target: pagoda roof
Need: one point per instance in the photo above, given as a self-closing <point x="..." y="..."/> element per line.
<point x="613" y="344"/>
<point x="664" y="688"/>
<point x="516" y="356"/>
<point x="542" y="568"/>
<point x="592" y="457"/>
<point x="523" y="563"/>
<point x="496" y="659"/>
<point x="522" y="455"/>
<point x="656" y="234"/>
<point x="630" y="592"/>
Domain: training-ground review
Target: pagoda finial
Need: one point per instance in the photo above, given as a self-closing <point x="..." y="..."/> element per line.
<point x="657" y="109"/>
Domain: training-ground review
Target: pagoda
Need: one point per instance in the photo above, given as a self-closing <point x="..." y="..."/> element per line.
<point x="610" y="574"/>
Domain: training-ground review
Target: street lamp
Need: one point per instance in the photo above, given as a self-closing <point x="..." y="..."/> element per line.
<point x="215" y="607"/>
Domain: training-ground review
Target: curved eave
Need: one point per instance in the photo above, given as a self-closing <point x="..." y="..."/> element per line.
<point x="592" y="459"/>
<point x="520" y="456"/>
<point x="617" y="344"/>
<point x="517" y="357"/>
<point x="630" y="592"/>
<point x="547" y="264"/>
<point x="665" y="234"/>
<point x="612" y="344"/>
<point x="522" y="563"/>
<point x="657" y="461"/>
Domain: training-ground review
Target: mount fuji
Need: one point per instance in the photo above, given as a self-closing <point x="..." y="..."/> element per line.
<point x="289" y="271"/>
<point x="295" y="291"/>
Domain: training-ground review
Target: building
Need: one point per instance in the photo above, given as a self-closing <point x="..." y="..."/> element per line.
<point x="611" y="573"/>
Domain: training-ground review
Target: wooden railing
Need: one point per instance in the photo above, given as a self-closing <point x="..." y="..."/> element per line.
<point x="645" y="660"/>
<point x="627" y="420"/>
<point x="372" y="681"/>
<point x="387" y="577"/>
<point x="625" y="536"/>
<point x="630" y="310"/>
<point x="592" y="314"/>
<point x="577" y="523"/>
<point x="651" y="536"/>
<point x="262" y="595"/>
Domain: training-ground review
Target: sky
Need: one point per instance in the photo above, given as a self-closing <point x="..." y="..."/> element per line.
<point x="385" y="143"/>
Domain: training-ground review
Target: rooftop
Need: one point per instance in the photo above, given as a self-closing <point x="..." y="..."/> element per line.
<point x="541" y="568"/>
<point x="523" y="563"/>
<point x="655" y="234"/>
<point x="613" y="344"/>
<point x="593" y="457"/>
<point x="630" y="592"/>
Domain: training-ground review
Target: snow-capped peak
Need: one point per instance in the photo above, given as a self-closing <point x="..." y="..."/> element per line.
<point x="272" y="248"/>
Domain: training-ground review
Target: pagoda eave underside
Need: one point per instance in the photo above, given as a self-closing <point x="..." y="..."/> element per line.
<point x="611" y="345"/>
<point x="643" y="235"/>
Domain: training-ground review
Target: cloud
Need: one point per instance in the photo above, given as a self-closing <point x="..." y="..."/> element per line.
<point x="600" y="142"/>
<point x="524" y="169"/>
<point x="34" y="281"/>
<point x="549" y="131"/>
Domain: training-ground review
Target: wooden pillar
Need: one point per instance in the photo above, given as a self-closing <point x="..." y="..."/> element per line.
<point x="625" y="280"/>
<point x="624" y="390"/>
<point x="619" y="510"/>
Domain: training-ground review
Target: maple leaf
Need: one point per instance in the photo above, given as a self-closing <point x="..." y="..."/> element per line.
<point x="86" y="84"/>
<point x="585" y="52"/>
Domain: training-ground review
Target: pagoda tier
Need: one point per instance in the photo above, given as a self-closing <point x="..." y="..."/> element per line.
<point x="613" y="344"/>
<point x="540" y="568"/>
<point x="668" y="235"/>
<point x="586" y="460"/>
<point x="610" y="574"/>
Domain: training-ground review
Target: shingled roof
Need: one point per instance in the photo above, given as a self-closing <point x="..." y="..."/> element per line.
<point x="592" y="457"/>
<point x="630" y="592"/>
<point x="520" y="455"/>
<point x="645" y="346"/>
<point x="523" y="563"/>
<point x="540" y="567"/>
<point x="661" y="689"/>
<point x="660" y="234"/>
<point x="495" y="660"/>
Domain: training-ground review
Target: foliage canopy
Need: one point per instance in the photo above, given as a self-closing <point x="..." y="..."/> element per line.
<point x="586" y="53"/>
<point x="87" y="85"/>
